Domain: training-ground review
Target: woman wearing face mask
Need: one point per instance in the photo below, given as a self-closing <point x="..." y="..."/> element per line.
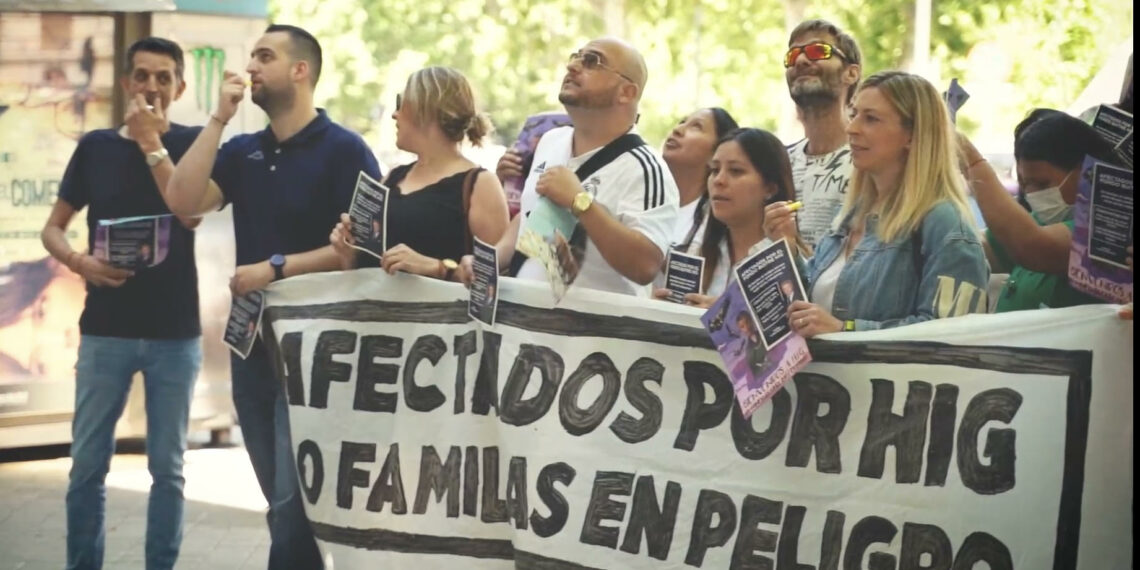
<point x="428" y="228"/>
<point x="749" y="169"/>
<point x="687" y="152"/>
<point x="903" y="248"/>
<point x="1034" y="248"/>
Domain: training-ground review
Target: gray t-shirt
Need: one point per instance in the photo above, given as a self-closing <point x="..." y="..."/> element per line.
<point x="821" y="184"/>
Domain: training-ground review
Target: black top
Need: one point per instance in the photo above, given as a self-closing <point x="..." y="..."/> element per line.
<point x="288" y="195"/>
<point x="429" y="220"/>
<point x="109" y="176"/>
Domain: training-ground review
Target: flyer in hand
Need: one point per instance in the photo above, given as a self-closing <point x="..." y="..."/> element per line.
<point x="1102" y="232"/>
<point x="546" y="236"/>
<point x="533" y="129"/>
<point x="955" y="96"/>
<point x="749" y="326"/>
<point x="133" y="243"/>
<point x="484" y="291"/>
<point x="683" y="275"/>
<point x="244" y="323"/>
<point x="369" y="215"/>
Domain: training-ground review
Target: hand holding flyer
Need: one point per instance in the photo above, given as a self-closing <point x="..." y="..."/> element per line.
<point x="133" y="243"/>
<point x="369" y="215"/>
<point x="546" y="237"/>
<point x="683" y="275"/>
<point x="244" y="322"/>
<point x="532" y="131"/>
<point x="483" y="301"/>
<point x="749" y="326"/>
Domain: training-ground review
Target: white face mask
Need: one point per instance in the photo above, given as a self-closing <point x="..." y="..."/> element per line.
<point x="1049" y="205"/>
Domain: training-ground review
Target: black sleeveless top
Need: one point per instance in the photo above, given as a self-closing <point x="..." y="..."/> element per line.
<point x="429" y="220"/>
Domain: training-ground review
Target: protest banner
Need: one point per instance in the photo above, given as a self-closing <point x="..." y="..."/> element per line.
<point x="603" y="434"/>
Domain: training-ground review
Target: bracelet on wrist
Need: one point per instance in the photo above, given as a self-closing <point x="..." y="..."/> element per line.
<point x="220" y="122"/>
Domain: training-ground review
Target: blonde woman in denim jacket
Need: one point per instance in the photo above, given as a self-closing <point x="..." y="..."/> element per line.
<point x="904" y="248"/>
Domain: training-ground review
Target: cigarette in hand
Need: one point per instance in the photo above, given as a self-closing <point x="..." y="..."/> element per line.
<point x="150" y="107"/>
<point x="793" y="206"/>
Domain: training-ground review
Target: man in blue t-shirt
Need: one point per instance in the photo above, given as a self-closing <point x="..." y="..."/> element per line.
<point x="288" y="185"/>
<point x="133" y="321"/>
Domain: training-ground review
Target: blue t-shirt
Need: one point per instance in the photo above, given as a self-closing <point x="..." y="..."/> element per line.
<point x="109" y="176"/>
<point x="288" y="195"/>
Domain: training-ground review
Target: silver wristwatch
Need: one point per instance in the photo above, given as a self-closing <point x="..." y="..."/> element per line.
<point x="153" y="158"/>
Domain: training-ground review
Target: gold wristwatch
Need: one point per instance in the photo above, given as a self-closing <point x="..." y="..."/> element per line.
<point x="581" y="203"/>
<point x="449" y="266"/>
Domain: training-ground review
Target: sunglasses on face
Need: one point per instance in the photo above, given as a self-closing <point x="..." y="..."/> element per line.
<point x="399" y="101"/>
<point x="814" y="51"/>
<point x="591" y="60"/>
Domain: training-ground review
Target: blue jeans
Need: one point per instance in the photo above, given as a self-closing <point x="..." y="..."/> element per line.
<point x="103" y="375"/>
<point x="263" y="413"/>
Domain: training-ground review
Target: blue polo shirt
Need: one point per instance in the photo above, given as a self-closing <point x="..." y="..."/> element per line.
<point x="288" y="195"/>
<point x="109" y="176"/>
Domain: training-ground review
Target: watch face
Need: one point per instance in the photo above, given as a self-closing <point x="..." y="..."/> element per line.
<point x="277" y="259"/>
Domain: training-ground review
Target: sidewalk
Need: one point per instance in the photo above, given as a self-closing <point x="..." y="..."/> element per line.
<point x="225" y="512"/>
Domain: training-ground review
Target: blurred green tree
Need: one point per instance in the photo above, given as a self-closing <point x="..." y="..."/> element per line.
<point x="1011" y="55"/>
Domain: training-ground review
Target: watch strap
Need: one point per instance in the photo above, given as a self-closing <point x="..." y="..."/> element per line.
<point x="154" y="157"/>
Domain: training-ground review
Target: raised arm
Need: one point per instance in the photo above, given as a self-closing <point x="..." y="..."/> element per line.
<point x="1033" y="246"/>
<point x="189" y="191"/>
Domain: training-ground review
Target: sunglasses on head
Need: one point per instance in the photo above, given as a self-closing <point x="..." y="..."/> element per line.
<point x="591" y="60"/>
<point x="814" y="51"/>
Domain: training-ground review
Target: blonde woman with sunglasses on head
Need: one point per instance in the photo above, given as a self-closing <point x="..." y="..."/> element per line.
<point x="904" y="248"/>
<point x="429" y="227"/>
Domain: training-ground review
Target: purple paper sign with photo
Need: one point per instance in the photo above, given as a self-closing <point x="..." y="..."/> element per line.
<point x="1102" y="230"/>
<point x="532" y="131"/>
<point x="757" y="373"/>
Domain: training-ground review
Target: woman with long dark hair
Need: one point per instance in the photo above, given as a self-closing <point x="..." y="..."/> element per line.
<point x="749" y="170"/>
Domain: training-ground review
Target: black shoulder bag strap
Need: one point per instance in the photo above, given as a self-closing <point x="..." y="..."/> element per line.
<point x="606" y="155"/>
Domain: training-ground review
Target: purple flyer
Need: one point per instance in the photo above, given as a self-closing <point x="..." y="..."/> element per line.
<point x="133" y="243"/>
<point x="757" y="372"/>
<point x="532" y="131"/>
<point x="1102" y="230"/>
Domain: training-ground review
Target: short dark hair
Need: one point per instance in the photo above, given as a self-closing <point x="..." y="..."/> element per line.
<point x="161" y="46"/>
<point x="847" y="45"/>
<point x="1059" y="139"/>
<point x="305" y="47"/>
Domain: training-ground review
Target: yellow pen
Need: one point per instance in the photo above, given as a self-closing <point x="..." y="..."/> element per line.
<point x="793" y="206"/>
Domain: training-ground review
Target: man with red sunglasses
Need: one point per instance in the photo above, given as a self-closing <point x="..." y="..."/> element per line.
<point x="823" y="68"/>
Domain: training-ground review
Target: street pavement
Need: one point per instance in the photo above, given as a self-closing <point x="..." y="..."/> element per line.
<point x="225" y="512"/>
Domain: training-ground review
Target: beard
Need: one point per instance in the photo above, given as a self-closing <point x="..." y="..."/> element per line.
<point x="825" y="91"/>
<point x="274" y="100"/>
<point x="600" y="100"/>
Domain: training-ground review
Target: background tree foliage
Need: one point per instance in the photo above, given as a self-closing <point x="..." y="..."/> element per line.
<point x="1012" y="55"/>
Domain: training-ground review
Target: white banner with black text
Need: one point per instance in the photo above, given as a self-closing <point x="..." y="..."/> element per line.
<point x="603" y="433"/>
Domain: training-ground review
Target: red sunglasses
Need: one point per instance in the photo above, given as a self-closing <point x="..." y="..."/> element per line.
<point x="814" y="51"/>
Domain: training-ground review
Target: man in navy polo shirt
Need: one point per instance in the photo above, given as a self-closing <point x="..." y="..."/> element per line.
<point x="288" y="185"/>
<point x="145" y="320"/>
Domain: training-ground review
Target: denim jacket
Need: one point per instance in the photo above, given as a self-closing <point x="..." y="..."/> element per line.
<point x="937" y="271"/>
